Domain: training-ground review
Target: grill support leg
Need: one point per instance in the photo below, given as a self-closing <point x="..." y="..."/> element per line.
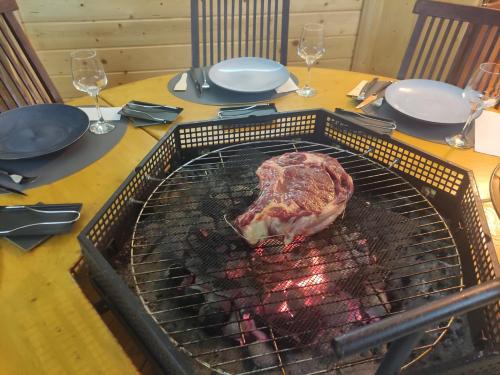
<point x="397" y="354"/>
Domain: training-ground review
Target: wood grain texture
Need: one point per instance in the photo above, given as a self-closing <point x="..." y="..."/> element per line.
<point x="173" y="56"/>
<point x="138" y="39"/>
<point x="91" y="10"/>
<point x="127" y="33"/>
<point x="48" y="326"/>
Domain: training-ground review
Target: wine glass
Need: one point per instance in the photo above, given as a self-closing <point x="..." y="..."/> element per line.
<point x="89" y="76"/>
<point x="311" y="48"/>
<point x="482" y="91"/>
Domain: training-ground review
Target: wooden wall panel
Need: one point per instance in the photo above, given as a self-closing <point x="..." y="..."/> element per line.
<point x="92" y="10"/>
<point x="171" y="56"/>
<point x="137" y="39"/>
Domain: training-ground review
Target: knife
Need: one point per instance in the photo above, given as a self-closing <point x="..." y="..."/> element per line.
<point x="374" y="96"/>
<point x="197" y="84"/>
<point x="12" y="190"/>
<point x="366" y="88"/>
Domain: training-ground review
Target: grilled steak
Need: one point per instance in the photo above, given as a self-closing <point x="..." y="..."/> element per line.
<point x="301" y="193"/>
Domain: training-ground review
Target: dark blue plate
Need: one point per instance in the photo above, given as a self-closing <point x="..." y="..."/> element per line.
<point x="41" y="129"/>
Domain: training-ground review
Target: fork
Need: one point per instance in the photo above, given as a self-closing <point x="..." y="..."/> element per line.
<point x="205" y="84"/>
<point x="18" y="178"/>
<point x="145" y="114"/>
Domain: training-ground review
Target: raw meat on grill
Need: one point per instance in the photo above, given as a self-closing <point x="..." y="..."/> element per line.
<point x="301" y="193"/>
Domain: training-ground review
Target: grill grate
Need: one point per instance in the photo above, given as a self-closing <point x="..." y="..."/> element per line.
<point x="198" y="279"/>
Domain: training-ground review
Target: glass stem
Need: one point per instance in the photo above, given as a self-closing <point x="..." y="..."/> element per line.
<point x="308" y="82"/>
<point x="99" y="113"/>
<point x="473" y="111"/>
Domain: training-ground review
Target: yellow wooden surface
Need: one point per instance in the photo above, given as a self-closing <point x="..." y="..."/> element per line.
<point x="47" y="325"/>
<point x="332" y="86"/>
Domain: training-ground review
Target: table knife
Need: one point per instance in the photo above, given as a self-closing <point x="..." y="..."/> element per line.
<point x="375" y="95"/>
<point x="11" y="190"/>
<point x="197" y="84"/>
<point x="366" y="88"/>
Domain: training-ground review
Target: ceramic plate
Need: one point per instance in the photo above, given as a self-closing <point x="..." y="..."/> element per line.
<point x="428" y="100"/>
<point x="495" y="189"/>
<point x="41" y="129"/>
<point x="248" y="74"/>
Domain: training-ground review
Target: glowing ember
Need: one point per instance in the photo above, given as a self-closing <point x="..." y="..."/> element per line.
<point x="294" y="244"/>
<point x="312" y="280"/>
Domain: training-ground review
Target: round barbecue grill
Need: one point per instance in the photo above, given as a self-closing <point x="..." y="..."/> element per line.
<point x="273" y="308"/>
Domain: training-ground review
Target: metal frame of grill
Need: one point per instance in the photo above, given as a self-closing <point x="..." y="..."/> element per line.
<point x="191" y="181"/>
<point x="447" y="187"/>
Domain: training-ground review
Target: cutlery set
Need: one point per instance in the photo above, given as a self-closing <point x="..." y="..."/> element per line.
<point x="204" y="85"/>
<point x="372" y="93"/>
<point x="145" y="114"/>
<point x="16" y="178"/>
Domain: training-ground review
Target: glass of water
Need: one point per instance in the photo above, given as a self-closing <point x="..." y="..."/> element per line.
<point x="311" y="48"/>
<point x="89" y="76"/>
<point x="482" y="91"/>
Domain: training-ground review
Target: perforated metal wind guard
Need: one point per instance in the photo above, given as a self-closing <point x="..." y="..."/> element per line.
<point x="450" y="188"/>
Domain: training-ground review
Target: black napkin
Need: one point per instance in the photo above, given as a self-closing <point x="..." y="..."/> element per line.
<point x="247" y="111"/>
<point x="145" y="114"/>
<point x="29" y="242"/>
<point x="376" y="124"/>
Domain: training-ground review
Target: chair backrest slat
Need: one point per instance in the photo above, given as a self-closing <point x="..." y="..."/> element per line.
<point x="449" y="41"/>
<point x="231" y="28"/>
<point x="240" y="26"/>
<point x="431" y="49"/>
<point x="439" y="50"/>
<point x="451" y="44"/>
<point x="275" y="40"/>
<point x="23" y="78"/>
<point x="247" y="27"/>
<point x="416" y="64"/>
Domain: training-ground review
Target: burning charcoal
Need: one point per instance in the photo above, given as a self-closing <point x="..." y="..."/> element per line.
<point x="192" y="299"/>
<point x="232" y="329"/>
<point x="174" y="276"/>
<point x="375" y="302"/>
<point x="214" y="313"/>
<point x="261" y="347"/>
<point x="263" y="354"/>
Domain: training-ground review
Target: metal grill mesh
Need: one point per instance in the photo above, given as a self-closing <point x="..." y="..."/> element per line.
<point x="207" y="289"/>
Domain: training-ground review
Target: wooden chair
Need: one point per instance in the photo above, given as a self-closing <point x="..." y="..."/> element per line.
<point x="23" y="80"/>
<point x="450" y="41"/>
<point x="235" y="28"/>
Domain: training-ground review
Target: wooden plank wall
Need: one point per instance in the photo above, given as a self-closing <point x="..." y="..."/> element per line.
<point x="137" y="39"/>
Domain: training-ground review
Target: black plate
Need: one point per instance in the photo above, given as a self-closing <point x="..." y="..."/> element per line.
<point x="41" y="129"/>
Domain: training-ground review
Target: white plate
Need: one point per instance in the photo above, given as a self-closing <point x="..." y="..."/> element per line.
<point x="248" y="74"/>
<point x="428" y="100"/>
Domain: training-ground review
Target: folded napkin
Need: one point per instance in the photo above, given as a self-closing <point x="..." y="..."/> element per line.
<point x="37" y="234"/>
<point x="287" y="86"/>
<point x="109" y="113"/>
<point x="487" y="133"/>
<point x="376" y="124"/>
<point x="145" y="114"/>
<point x="181" y="84"/>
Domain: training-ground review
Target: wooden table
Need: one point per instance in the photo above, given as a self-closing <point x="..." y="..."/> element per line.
<point x="47" y="325"/>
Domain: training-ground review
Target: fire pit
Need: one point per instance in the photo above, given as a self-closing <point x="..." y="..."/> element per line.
<point x="271" y="308"/>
